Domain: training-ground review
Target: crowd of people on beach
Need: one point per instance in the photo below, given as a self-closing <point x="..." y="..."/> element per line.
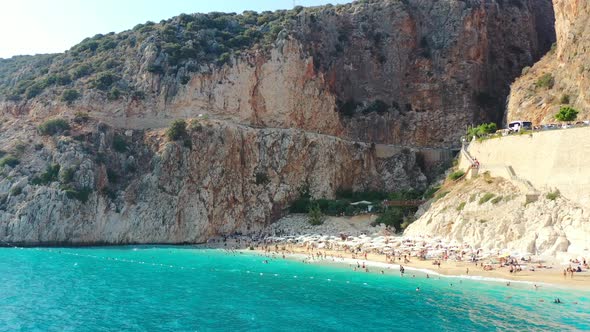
<point x="390" y="250"/>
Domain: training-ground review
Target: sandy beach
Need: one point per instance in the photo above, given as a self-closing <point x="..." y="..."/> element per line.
<point x="377" y="263"/>
<point x="359" y="245"/>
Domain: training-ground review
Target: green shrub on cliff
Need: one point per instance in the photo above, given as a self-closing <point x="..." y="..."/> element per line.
<point x="315" y="215"/>
<point x="566" y="114"/>
<point x="51" y="174"/>
<point x="553" y="195"/>
<point x="80" y="194"/>
<point x="9" y="160"/>
<point x="119" y="143"/>
<point x="392" y="216"/>
<point x="481" y="130"/>
<point x="485" y="198"/>
<point x="565" y="99"/>
<point x="53" y="126"/>
<point x="456" y="175"/>
<point x="177" y="130"/>
<point x="545" y="81"/>
<point x="69" y="95"/>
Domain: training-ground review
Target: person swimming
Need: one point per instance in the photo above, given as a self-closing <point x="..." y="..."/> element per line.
<point x="557" y="300"/>
<point x="417" y="289"/>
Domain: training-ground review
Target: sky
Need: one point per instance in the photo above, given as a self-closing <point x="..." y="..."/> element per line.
<point x="52" y="26"/>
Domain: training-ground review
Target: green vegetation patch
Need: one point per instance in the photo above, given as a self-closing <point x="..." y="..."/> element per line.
<point x="566" y="114"/>
<point x="177" y="130"/>
<point x="53" y="126"/>
<point x="461" y="206"/>
<point x="51" y="174"/>
<point x="481" y="130"/>
<point x="70" y="95"/>
<point x="485" y="198"/>
<point x="315" y="215"/>
<point x="119" y="143"/>
<point x="9" y="160"/>
<point x="497" y="199"/>
<point x="553" y="195"/>
<point x="456" y="175"/>
<point x="545" y="81"/>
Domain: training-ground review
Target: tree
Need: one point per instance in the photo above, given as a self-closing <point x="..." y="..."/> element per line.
<point x="481" y="130"/>
<point x="392" y="216"/>
<point x="566" y="114"/>
<point x="177" y="130"/>
<point x="316" y="217"/>
<point x="70" y="95"/>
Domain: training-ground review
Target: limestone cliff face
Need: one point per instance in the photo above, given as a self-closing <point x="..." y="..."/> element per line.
<point x="298" y="106"/>
<point x="546" y="227"/>
<point x="413" y="72"/>
<point x="567" y="67"/>
<point x="223" y="179"/>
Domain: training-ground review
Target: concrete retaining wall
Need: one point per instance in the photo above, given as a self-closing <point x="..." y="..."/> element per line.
<point x="548" y="160"/>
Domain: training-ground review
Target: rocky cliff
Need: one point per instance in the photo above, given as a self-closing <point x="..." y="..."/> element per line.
<point x="222" y="179"/>
<point x="492" y="213"/>
<point x="413" y="72"/>
<point x="562" y="77"/>
<point x="285" y="100"/>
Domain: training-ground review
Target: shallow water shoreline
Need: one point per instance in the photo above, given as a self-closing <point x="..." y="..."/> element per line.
<point x="540" y="278"/>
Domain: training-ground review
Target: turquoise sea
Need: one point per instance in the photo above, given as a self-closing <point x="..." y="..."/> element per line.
<point x="189" y="289"/>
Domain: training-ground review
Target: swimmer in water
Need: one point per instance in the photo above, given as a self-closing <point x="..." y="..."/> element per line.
<point x="417" y="289"/>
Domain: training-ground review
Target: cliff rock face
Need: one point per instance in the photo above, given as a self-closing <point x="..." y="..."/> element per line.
<point x="413" y="72"/>
<point x="286" y="100"/>
<point x="468" y="215"/>
<point x="222" y="179"/>
<point x="562" y="77"/>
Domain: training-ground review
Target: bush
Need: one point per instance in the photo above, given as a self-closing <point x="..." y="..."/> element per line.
<point x="67" y="175"/>
<point x="82" y="194"/>
<point x="261" y="178"/>
<point x="81" y="117"/>
<point x="456" y="175"/>
<point x="112" y="176"/>
<point x="82" y="70"/>
<point x="545" y="81"/>
<point x="177" y="130"/>
<point x="69" y="95"/>
<point x="348" y="108"/>
<point x="300" y="205"/>
<point x="15" y="191"/>
<point x="9" y="161"/>
<point x="565" y="99"/>
<point x="497" y="200"/>
<point x="553" y="195"/>
<point x="461" y="206"/>
<point x="53" y="126"/>
<point x="119" y="143"/>
<point x="441" y="195"/>
<point x="51" y="175"/>
<point x="481" y="130"/>
<point x="429" y="193"/>
<point x="377" y="106"/>
<point x="114" y="94"/>
<point x="315" y="215"/>
<point x="155" y="69"/>
<point x="485" y="198"/>
<point x="567" y="114"/>
<point x="392" y="216"/>
<point x="104" y="81"/>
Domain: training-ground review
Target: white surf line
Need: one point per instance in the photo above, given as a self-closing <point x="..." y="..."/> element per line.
<point x="390" y="266"/>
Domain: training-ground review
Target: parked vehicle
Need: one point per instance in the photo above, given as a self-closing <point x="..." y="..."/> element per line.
<point x="516" y="126"/>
